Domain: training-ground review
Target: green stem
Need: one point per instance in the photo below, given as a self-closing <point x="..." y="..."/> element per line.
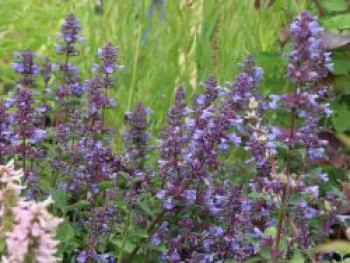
<point x="125" y="235"/>
<point x="286" y="188"/>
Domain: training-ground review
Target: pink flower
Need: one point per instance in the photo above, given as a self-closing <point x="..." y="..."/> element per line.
<point x="33" y="232"/>
<point x="9" y="174"/>
<point x="34" y="227"/>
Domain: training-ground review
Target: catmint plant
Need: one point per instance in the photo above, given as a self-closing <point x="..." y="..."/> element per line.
<point x="68" y="38"/>
<point x="224" y="182"/>
<point x="309" y="63"/>
<point x="175" y="138"/>
<point x="105" y="71"/>
<point x="137" y="137"/>
<point x="27" y="122"/>
<point x="26" y="66"/>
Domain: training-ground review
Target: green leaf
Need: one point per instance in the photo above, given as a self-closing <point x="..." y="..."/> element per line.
<point x="341" y="21"/>
<point x="128" y="245"/>
<point x="255" y="195"/>
<point x="298" y="258"/>
<point x="250" y="260"/>
<point x="161" y="248"/>
<point x="78" y="205"/>
<point x="144" y="206"/>
<point x="271" y="231"/>
<point x="341" y="63"/>
<point x="139" y="232"/>
<point x="65" y="232"/>
<point x="2" y="245"/>
<point x="60" y="198"/>
<point x="105" y="185"/>
<point x="340" y="118"/>
<point x="344" y="138"/>
<point x="342" y="85"/>
<point x="334" y="5"/>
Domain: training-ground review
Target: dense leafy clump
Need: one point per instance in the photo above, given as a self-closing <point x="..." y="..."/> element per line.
<point x="221" y="183"/>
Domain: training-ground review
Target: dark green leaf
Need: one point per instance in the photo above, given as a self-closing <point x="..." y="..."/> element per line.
<point x="341" y="117"/>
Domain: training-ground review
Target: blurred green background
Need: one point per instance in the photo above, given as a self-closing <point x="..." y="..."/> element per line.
<point x="164" y="43"/>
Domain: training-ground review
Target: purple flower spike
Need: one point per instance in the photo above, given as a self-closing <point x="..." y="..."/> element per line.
<point x="108" y="55"/>
<point x="70" y="28"/>
<point x="137" y="136"/>
<point x="26" y="66"/>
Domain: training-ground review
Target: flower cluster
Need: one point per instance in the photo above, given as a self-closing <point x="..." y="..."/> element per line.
<point x="25" y="66"/>
<point x="30" y="129"/>
<point x="29" y="228"/>
<point x="239" y="119"/>
<point x="70" y="83"/>
<point x="23" y="123"/>
<point x="175" y="137"/>
<point x="104" y="81"/>
<point x="70" y="34"/>
<point x="11" y="188"/>
<point x="309" y="63"/>
<point x="109" y="60"/>
<point x="137" y="136"/>
<point x="99" y="225"/>
<point x="33" y="233"/>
